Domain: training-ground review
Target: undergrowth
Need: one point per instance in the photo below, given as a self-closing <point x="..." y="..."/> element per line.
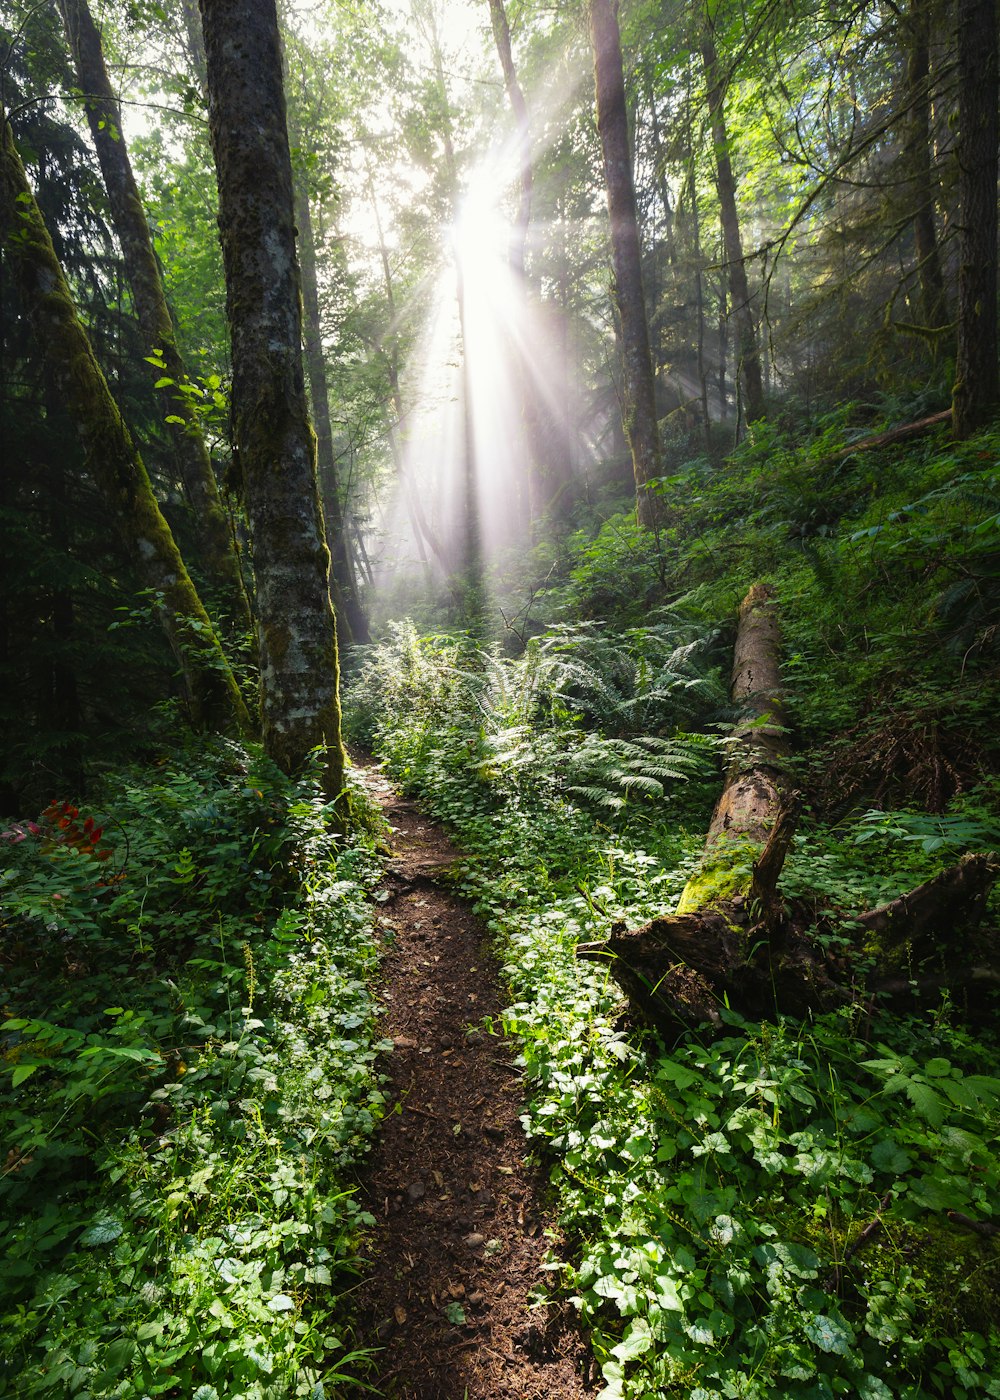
<point x="187" y="1082"/>
<point x="793" y="1210"/>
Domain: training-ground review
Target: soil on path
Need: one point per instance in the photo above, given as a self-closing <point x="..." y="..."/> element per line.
<point x="462" y="1234"/>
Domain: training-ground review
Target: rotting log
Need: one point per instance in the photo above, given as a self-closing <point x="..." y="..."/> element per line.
<point x="906" y="432"/>
<point x="733" y="940"/>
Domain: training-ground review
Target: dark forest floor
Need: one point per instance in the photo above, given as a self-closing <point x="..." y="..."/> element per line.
<point x="456" y="1259"/>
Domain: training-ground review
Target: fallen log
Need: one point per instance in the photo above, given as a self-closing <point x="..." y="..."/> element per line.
<point x="904" y="433"/>
<point x="955" y="898"/>
<point x="733" y="940"/>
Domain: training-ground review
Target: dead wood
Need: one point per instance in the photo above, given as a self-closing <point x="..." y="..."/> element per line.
<point x="904" y="433"/>
<point x="757" y="780"/>
<point x="951" y="902"/>
<point x="733" y="942"/>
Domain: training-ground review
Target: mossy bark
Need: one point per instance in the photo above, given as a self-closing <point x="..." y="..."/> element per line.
<point x="216" y="548"/>
<point x="351" y="619"/>
<point x="275" y="443"/>
<point x="639" y="405"/>
<point x="112" y="457"/>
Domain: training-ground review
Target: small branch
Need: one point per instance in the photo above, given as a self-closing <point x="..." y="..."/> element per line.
<point x="980" y="1227"/>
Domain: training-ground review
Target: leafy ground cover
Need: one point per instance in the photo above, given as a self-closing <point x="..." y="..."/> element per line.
<point x="187" y="1084"/>
<point x="802" y="1210"/>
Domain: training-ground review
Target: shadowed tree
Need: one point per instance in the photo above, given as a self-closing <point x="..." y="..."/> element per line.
<point x="974" y="398"/>
<point x="919" y="151"/>
<point x="112" y="457"/>
<point x="274" y="442"/>
<point x="739" y="290"/>
<point x="639" y="410"/>
<point x="343" y="578"/>
<point x="216" y="550"/>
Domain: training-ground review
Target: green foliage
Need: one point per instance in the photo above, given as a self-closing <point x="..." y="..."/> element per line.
<point x="186" y="1084"/>
<point x="765" y="1215"/>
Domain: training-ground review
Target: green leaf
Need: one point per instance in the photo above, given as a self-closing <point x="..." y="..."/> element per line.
<point x="637" y="1341"/>
<point x="21" y="1073"/>
<point x="937" y="1067"/>
<point x="829" y="1334"/>
<point x="103" y="1231"/>
<point x="118" y="1355"/>
<point x="888" y="1156"/>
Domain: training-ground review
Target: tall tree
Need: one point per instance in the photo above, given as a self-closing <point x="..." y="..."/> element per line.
<point x="975" y="394"/>
<point x="639" y="406"/>
<point x="739" y="289"/>
<point x="919" y="151"/>
<point x="273" y="438"/>
<point x="216" y="549"/>
<point x="344" y="583"/>
<point x="501" y="35"/>
<point x="112" y="457"/>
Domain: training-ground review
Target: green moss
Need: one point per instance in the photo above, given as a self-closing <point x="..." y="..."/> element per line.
<point x="959" y="1280"/>
<point x="723" y="876"/>
<point x="276" y="639"/>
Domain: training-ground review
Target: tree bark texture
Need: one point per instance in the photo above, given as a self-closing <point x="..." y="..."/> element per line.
<point x="216" y="549"/>
<point x="639" y="416"/>
<point x="974" y="397"/>
<point x="756" y="783"/>
<point x="739" y="290"/>
<point x="925" y="239"/>
<point x="274" y="441"/>
<point x="349" y="610"/>
<point x="112" y="457"/>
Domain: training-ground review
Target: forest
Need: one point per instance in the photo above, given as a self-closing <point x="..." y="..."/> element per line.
<point x="499" y="674"/>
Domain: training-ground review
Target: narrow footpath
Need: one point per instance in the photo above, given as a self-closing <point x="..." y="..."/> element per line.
<point x="462" y="1233"/>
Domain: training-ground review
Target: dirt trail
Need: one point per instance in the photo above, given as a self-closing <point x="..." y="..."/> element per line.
<point x="462" y="1233"/>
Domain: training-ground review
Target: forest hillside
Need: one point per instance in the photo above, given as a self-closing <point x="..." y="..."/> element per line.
<point x="499" y="665"/>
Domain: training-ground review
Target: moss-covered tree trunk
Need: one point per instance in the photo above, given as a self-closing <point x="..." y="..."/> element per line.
<point x="215" y="546"/>
<point x="748" y="368"/>
<point x="112" y="457"/>
<point x="639" y="405"/>
<point x="344" y="577"/>
<point x="975" y="394"/>
<point x="274" y="441"/>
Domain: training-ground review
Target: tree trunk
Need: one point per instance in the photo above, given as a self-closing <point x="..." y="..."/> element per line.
<point x="974" y="397"/>
<point x="660" y="169"/>
<point x="274" y="442"/>
<point x="112" y="458"/>
<point x="925" y="240"/>
<point x="422" y="531"/>
<point x="344" y="576"/>
<point x="501" y="35"/>
<point x="216" y="549"/>
<point x="535" y="490"/>
<point x="749" y="355"/>
<point x="195" y="43"/>
<point x="639" y="407"/>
